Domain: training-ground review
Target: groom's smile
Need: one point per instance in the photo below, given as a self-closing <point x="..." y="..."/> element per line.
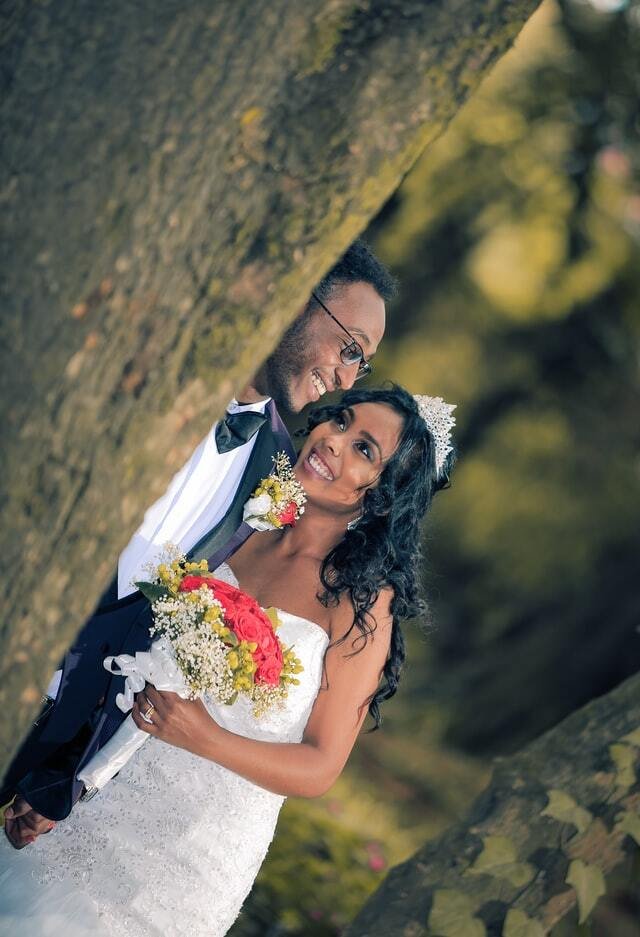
<point x="318" y="383"/>
<point x="342" y="334"/>
<point x="327" y="348"/>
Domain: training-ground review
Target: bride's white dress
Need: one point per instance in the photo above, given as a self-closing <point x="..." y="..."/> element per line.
<point x="169" y="847"/>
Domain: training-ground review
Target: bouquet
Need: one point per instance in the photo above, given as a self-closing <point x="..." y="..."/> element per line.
<point x="279" y="499"/>
<point x="209" y="638"/>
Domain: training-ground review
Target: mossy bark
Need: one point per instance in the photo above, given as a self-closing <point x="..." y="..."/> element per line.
<point x="175" y="178"/>
<point x="553" y="822"/>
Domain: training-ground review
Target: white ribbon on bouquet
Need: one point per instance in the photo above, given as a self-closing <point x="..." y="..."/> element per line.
<point x="156" y="666"/>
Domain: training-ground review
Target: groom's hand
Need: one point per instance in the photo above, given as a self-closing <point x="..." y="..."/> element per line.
<point x="23" y="824"/>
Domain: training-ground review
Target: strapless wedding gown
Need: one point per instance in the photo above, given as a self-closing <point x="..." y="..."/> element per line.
<point x="172" y="845"/>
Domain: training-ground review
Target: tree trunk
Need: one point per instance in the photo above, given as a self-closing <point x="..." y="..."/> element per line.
<point x="555" y="819"/>
<point x="175" y="178"/>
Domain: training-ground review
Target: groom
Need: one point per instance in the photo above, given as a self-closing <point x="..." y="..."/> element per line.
<point x="326" y="348"/>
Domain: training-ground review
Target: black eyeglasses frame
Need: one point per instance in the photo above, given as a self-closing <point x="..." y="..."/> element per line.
<point x="364" y="367"/>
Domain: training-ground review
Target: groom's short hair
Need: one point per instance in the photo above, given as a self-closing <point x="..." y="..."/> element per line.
<point x="357" y="265"/>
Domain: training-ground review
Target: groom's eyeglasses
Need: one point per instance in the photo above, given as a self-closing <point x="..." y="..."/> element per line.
<point x="351" y="353"/>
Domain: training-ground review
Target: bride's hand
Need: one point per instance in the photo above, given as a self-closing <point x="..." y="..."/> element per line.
<point x="176" y="721"/>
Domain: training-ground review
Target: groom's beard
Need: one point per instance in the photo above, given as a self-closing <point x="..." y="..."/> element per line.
<point x="292" y="357"/>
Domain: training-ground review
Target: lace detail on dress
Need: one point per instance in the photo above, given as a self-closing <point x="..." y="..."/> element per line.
<point x="173" y="844"/>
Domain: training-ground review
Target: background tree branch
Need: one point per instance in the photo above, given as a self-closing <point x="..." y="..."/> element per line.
<point x="174" y="179"/>
<point x="554" y="821"/>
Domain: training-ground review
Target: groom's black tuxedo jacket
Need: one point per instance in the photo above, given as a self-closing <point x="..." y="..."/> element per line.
<point x="84" y="715"/>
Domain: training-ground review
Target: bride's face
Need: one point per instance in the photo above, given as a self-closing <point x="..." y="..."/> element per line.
<point x="346" y="455"/>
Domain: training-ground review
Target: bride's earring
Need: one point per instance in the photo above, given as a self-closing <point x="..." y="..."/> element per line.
<point x="354" y="522"/>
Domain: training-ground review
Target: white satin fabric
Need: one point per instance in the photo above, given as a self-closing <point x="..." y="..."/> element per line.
<point x="172" y="845"/>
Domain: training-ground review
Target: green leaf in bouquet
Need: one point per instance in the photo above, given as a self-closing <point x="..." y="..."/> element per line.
<point x="232" y="698"/>
<point x="272" y="615"/>
<point x="231" y="639"/>
<point x="151" y="590"/>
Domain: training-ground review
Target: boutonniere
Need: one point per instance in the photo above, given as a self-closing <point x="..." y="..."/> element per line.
<point x="279" y="499"/>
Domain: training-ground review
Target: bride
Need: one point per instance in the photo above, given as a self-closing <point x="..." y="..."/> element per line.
<point x="172" y="845"/>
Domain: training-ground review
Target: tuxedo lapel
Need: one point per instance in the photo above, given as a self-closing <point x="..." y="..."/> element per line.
<point x="271" y="438"/>
<point x="219" y="543"/>
<point x="281" y="443"/>
<point x="282" y="439"/>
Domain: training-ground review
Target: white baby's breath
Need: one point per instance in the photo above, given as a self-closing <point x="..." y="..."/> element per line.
<point x="200" y="654"/>
<point x="201" y="644"/>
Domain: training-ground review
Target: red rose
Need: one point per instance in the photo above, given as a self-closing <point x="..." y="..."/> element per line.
<point x="227" y="594"/>
<point x="242" y="606"/>
<point x="269" y="644"/>
<point x="254" y="625"/>
<point x="248" y="627"/>
<point x="191" y="583"/>
<point x="288" y="516"/>
<point x="269" y="671"/>
<point x="246" y="619"/>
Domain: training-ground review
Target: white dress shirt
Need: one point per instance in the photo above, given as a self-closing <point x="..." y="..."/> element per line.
<point x="197" y="498"/>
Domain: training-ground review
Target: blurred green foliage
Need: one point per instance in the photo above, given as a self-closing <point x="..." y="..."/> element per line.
<point x="516" y="240"/>
<point x="517" y="244"/>
<point x="322" y="890"/>
<point x="321" y="868"/>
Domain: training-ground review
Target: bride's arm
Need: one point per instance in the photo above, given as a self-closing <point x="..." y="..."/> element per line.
<point x="308" y="768"/>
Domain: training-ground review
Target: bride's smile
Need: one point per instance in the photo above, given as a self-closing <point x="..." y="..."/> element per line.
<point x="344" y="456"/>
<point x="318" y="465"/>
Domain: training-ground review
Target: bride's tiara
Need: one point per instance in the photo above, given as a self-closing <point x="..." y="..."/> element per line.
<point x="437" y="415"/>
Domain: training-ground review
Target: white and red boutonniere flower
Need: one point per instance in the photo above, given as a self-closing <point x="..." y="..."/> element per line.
<point x="279" y="499"/>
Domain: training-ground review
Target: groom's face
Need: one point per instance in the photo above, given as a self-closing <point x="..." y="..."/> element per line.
<point x="307" y="363"/>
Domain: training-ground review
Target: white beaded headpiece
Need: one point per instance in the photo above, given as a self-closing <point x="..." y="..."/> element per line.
<point x="437" y="415"/>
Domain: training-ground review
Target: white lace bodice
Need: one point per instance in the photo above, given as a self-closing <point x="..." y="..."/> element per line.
<point x="172" y="845"/>
<point x="286" y="725"/>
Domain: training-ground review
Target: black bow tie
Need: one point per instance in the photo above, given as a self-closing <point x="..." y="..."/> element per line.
<point x="238" y="428"/>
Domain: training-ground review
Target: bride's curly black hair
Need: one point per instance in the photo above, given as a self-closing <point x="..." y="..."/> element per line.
<point x="383" y="549"/>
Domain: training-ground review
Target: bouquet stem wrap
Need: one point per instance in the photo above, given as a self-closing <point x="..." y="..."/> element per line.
<point x="156" y="666"/>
